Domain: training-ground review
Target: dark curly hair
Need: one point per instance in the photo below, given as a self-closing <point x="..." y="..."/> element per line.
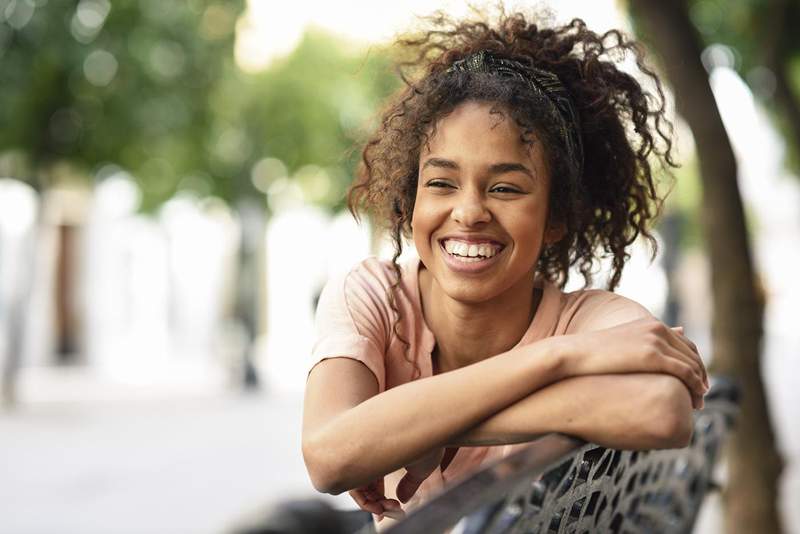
<point x="622" y="127"/>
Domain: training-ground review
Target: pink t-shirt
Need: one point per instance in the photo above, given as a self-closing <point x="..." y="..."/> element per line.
<point x="355" y="320"/>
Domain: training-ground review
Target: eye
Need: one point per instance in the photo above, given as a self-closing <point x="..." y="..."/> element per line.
<point x="438" y="183"/>
<point x="505" y="189"/>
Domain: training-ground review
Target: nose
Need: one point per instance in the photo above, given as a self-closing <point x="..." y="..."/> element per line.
<point x="470" y="209"/>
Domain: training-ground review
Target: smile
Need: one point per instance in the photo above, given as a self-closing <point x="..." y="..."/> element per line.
<point x="462" y="249"/>
<point x="470" y="257"/>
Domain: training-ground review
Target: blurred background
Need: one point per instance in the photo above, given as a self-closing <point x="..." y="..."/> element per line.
<point x="171" y="203"/>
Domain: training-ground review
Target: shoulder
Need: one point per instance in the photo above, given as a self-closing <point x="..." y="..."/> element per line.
<point x="369" y="276"/>
<point x="360" y="298"/>
<point x="596" y="309"/>
<point x="372" y="273"/>
<point x="368" y="283"/>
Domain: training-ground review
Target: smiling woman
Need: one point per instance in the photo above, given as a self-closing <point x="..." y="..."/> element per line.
<point x="515" y="154"/>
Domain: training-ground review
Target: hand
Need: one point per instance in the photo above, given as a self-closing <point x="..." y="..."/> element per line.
<point x="697" y="401"/>
<point x="372" y="498"/>
<point x="416" y="474"/>
<point x="642" y="346"/>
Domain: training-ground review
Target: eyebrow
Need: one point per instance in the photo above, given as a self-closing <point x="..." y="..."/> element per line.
<point x="497" y="168"/>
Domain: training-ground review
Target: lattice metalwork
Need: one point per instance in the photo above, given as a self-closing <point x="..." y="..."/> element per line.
<point x="591" y="489"/>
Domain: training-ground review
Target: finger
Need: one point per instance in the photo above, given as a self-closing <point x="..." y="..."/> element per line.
<point x="407" y="487"/>
<point x="678" y="349"/>
<point x="692" y="346"/>
<point x="375" y="490"/>
<point x="678" y="331"/>
<point x="364" y="503"/>
<point x="676" y="364"/>
<point x="695" y="378"/>
<point x="686" y="343"/>
<point x="395" y="514"/>
<point x="391" y="504"/>
<point x="696" y="399"/>
<point x="697" y="402"/>
<point x="679" y="334"/>
<point x="681" y="342"/>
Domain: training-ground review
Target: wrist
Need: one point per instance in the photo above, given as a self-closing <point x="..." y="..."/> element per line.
<point x="559" y="351"/>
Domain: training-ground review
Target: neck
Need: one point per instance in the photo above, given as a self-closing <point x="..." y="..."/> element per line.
<point x="467" y="332"/>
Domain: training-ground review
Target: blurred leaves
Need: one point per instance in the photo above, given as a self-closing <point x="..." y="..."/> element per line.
<point x="312" y="107"/>
<point x="128" y="83"/>
<point x="766" y="52"/>
<point x="152" y="86"/>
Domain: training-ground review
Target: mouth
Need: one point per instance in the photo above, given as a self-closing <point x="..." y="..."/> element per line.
<point x="470" y="254"/>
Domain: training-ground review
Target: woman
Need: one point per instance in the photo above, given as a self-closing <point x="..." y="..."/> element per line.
<point x="514" y="153"/>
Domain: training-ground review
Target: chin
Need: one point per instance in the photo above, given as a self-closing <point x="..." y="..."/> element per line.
<point x="470" y="293"/>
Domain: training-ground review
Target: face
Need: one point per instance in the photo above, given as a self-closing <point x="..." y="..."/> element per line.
<point x="479" y="220"/>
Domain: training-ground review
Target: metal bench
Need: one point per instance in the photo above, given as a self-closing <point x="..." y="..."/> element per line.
<point x="561" y="485"/>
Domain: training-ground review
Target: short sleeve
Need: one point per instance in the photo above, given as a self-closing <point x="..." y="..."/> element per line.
<point x="597" y="309"/>
<point x="350" y="322"/>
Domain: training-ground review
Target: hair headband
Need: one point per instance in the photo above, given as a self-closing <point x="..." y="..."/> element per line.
<point x="543" y="83"/>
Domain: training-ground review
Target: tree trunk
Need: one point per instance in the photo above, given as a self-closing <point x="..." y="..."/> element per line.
<point x="753" y="463"/>
<point x="787" y="103"/>
<point x="777" y="49"/>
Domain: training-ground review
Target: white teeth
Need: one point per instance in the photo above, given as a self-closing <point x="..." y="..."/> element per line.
<point x="465" y="250"/>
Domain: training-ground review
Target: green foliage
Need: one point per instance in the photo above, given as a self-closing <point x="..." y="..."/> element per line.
<point x="685" y="199"/>
<point x="313" y="106"/>
<point x="152" y="86"/>
<point x="130" y="83"/>
<point x="763" y="35"/>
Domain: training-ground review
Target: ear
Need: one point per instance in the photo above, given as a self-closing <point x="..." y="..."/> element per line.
<point x="554" y="233"/>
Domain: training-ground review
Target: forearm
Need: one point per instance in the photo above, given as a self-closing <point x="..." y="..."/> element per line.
<point x="393" y="428"/>
<point x="631" y="411"/>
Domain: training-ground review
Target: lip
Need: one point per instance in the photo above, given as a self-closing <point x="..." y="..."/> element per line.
<point x="472" y="239"/>
<point x="470" y="268"/>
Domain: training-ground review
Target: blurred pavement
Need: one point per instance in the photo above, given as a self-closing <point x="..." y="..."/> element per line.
<point x="124" y="459"/>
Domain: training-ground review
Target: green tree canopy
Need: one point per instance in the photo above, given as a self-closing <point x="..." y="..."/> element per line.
<point x="312" y="107"/>
<point x="129" y="83"/>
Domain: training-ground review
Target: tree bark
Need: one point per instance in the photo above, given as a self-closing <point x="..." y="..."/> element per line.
<point x="754" y="465"/>
<point x="776" y="32"/>
<point x="787" y="101"/>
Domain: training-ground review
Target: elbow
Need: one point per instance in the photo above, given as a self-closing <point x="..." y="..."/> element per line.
<point x="671" y="422"/>
<point x="323" y="471"/>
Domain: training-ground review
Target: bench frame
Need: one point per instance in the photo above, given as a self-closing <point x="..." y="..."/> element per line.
<point x="561" y="485"/>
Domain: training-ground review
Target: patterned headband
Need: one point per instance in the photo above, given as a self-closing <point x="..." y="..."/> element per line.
<point x="543" y="83"/>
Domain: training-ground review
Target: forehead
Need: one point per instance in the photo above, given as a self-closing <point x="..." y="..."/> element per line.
<point x="480" y="131"/>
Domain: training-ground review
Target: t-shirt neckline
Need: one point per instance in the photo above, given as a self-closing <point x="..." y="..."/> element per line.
<point x="539" y="327"/>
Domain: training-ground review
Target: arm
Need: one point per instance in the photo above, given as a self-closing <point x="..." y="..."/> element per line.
<point x="431" y="411"/>
<point x="341" y="403"/>
<point x="633" y="411"/>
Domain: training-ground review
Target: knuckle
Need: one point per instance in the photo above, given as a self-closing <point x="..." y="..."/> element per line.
<point x="687" y="374"/>
<point x="657" y="327"/>
<point x="651" y="342"/>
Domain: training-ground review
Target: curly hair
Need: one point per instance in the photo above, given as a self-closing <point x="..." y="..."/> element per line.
<point x="622" y="126"/>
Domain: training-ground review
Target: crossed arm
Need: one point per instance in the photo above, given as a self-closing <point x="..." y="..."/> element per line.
<point x="631" y="386"/>
<point x="632" y="411"/>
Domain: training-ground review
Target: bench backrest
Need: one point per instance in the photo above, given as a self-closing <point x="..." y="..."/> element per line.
<point x="560" y="485"/>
